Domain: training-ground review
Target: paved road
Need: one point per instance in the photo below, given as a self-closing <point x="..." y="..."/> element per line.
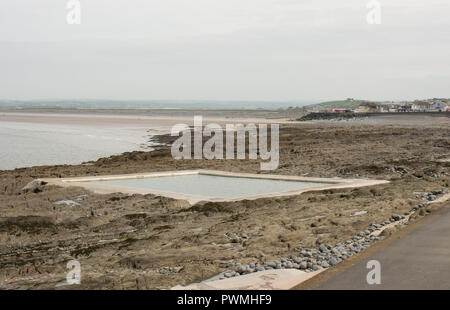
<point x="419" y="260"/>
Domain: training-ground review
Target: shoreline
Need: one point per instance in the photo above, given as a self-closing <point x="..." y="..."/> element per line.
<point x="147" y="241"/>
<point x="106" y="125"/>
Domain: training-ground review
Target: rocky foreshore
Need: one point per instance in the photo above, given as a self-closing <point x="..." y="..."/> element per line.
<point x="149" y="242"/>
<point x="325" y="255"/>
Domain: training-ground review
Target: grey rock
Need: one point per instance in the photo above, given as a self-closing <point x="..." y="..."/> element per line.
<point x="335" y="251"/>
<point x="33" y="186"/>
<point x="396" y="217"/>
<point x="67" y="202"/>
<point x="333" y="261"/>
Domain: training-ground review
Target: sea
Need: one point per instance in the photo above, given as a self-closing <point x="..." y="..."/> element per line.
<point x="25" y="144"/>
<point x="157" y="104"/>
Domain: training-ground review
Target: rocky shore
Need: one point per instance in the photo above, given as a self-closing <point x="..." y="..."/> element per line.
<point x="149" y="242"/>
<point x="325" y="255"/>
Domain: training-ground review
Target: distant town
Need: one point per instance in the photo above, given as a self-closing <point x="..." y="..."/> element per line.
<point x="351" y="105"/>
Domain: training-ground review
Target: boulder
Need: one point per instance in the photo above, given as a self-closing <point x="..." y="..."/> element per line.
<point x="33" y="186"/>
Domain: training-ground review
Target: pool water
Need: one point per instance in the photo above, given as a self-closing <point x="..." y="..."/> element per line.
<point x="212" y="186"/>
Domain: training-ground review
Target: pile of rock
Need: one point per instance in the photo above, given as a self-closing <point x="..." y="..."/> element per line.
<point x="324" y="256"/>
<point x="309" y="260"/>
<point x="431" y="196"/>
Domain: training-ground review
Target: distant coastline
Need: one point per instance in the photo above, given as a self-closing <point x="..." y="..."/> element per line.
<point x="153" y="104"/>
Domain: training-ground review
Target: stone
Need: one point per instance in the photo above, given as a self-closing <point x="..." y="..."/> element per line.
<point x="333" y="261"/>
<point x="335" y="252"/>
<point x="67" y="202"/>
<point x="396" y="217"/>
<point x="323" y="248"/>
<point x="33" y="186"/>
<point x="303" y="265"/>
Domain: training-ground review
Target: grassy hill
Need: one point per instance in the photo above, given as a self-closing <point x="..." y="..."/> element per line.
<point x="337" y="104"/>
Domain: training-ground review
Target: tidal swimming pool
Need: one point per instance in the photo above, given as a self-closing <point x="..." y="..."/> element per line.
<point x="212" y="186"/>
<point x="208" y="185"/>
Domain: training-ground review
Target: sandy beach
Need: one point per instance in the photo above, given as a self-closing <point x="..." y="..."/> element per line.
<point x="143" y="118"/>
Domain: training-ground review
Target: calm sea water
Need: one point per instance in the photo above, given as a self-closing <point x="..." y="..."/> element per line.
<point x="157" y="104"/>
<point x="25" y="144"/>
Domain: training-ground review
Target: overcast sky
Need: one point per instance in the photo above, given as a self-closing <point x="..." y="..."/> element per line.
<point x="224" y="50"/>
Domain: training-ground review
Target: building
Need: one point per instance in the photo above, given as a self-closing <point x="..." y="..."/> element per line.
<point x="421" y="106"/>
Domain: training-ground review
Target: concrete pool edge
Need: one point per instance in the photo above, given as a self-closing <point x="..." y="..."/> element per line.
<point x="329" y="183"/>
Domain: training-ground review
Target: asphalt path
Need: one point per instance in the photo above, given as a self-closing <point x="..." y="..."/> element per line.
<point x="419" y="260"/>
